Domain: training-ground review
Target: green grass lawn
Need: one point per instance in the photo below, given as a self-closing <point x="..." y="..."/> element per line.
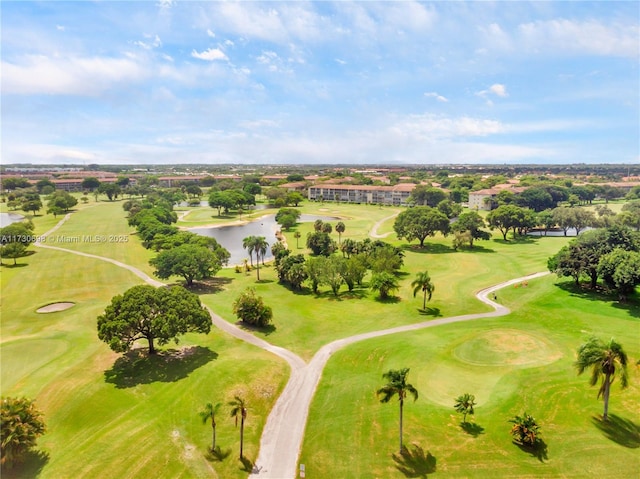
<point x="522" y="362"/>
<point x="100" y="228"/>
<point x="98" y="408"/>
<point x="304" y="321"/>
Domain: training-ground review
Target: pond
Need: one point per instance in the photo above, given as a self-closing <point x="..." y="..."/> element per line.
<point x="8" y="218"/>
<point x="555" y="232"/>
<point x="231" y="236"/>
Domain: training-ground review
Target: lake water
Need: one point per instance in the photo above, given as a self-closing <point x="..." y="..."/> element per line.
<point x="556" y="232"/>
<point x="231" y="236"/>
<point x="8" y="218"/>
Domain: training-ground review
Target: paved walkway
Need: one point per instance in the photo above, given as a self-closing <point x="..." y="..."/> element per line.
<point x="283" y="433"/>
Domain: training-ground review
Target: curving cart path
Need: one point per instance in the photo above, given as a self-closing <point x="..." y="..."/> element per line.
<point x="283" y="433"/>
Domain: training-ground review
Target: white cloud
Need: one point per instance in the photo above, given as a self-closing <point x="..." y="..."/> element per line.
<point x="589" y="37"/>
<point x="437" y="127"/>
<point x="259" y="124"/>
<point x="153" y="42"/>
<point x="435" y="95"/>
<point x="499" y="90"/>
<point x="210" y="33"/>
<point x="165" y="5"/>
<point x="341" y="62"/>
<point x="60" y="28"/>
<point x="210" y="54"/>
<point x="274" y="62"/>
<point x="496" y="39"/>
<point x="85" y="76"/>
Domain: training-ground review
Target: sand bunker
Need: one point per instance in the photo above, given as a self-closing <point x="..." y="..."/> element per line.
<point x="54" y="307"/>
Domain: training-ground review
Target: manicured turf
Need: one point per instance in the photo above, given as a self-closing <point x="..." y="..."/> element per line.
<point x="351" y="434"/>
<point x="99" y="408"/>
<point x="303" y="322"/>
<point x="101" y="228"/>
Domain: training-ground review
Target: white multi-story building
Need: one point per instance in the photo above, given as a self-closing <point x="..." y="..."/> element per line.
<point x="385" y="195"/>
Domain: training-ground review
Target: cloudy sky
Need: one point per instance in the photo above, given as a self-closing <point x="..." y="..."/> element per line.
<point x="328" y="82"/>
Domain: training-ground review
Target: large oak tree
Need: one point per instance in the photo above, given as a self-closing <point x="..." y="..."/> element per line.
<point x="420" y="222"/>
<point x="153" y="314"/>
<point x="191" y="261"/>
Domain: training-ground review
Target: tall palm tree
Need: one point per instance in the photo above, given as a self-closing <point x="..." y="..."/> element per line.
<point x="209" y="412"/>
<point x="464" y="405"/>
<point x="260" y="246"/>
<point x="248" y="243"/>
<point x="423" y="283"/>
<point x="397" y="385"/>
<point x="603" y="359"/>
<point x="297" y="235"/>
<point x="239" y="409"/>
<point x="340" y="227"/>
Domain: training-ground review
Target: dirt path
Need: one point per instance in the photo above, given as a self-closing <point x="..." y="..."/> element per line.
<point x="374" y="230"/>
<point x="283" y="433"/>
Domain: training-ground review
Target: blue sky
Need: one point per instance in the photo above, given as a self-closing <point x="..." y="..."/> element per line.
<point x="150" y="82"/>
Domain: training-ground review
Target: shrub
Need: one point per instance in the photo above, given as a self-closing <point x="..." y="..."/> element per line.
<point x="250" y="309"/>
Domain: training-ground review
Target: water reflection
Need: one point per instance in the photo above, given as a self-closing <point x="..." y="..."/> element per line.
<point x="231" y="236"/>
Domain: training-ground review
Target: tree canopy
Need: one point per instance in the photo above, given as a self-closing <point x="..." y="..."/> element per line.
<point x="420" y="222"/>
<point x="191" y="261"/>
<point x="20" y="426"/>
<point x="153" y="314"/>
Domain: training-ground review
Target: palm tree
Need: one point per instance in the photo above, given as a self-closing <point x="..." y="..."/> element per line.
<point x="603" y="358"/>
<point x="464" y="405"/>
<point x="239" y="408"/>
<point x="21" y="424"/>
<point x="248" y="243"/>
<point x="525" y="430"/>
<point x="423" y="283"/>
<point x="385" y="283"/>
<point x="209" y="412"/>
<point x="397" y="385"/>
<point x="340" y="229"/>
<point x="261" y="247"/>
<point x="297" y="235"/>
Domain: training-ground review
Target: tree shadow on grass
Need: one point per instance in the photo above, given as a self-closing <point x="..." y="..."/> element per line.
<point x="619" y="430"/>
<point x="137" y="367"/>
<point x="472" y="428"/>
<point x="435" y="312"/>
<point x="32" y="465"/>
<point x="475" y="249"/>
<point x="217" y="455"/>
<point x="387" y="300"/>
<point x="12" y="266"/>
<point x="266" y="330"/>
<point x="539" y="450"/>
<point x="413" y="462"/>
<point x="428" y="248"/>
<point x="249" y="466"/>
<point x="584" y="291"/>
<point x="209" y="286"/>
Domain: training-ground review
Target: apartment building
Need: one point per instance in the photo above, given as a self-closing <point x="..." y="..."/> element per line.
<point x="385" y="195"/>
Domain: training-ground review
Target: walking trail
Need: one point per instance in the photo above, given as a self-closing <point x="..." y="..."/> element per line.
<point x="283" y="433"/>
